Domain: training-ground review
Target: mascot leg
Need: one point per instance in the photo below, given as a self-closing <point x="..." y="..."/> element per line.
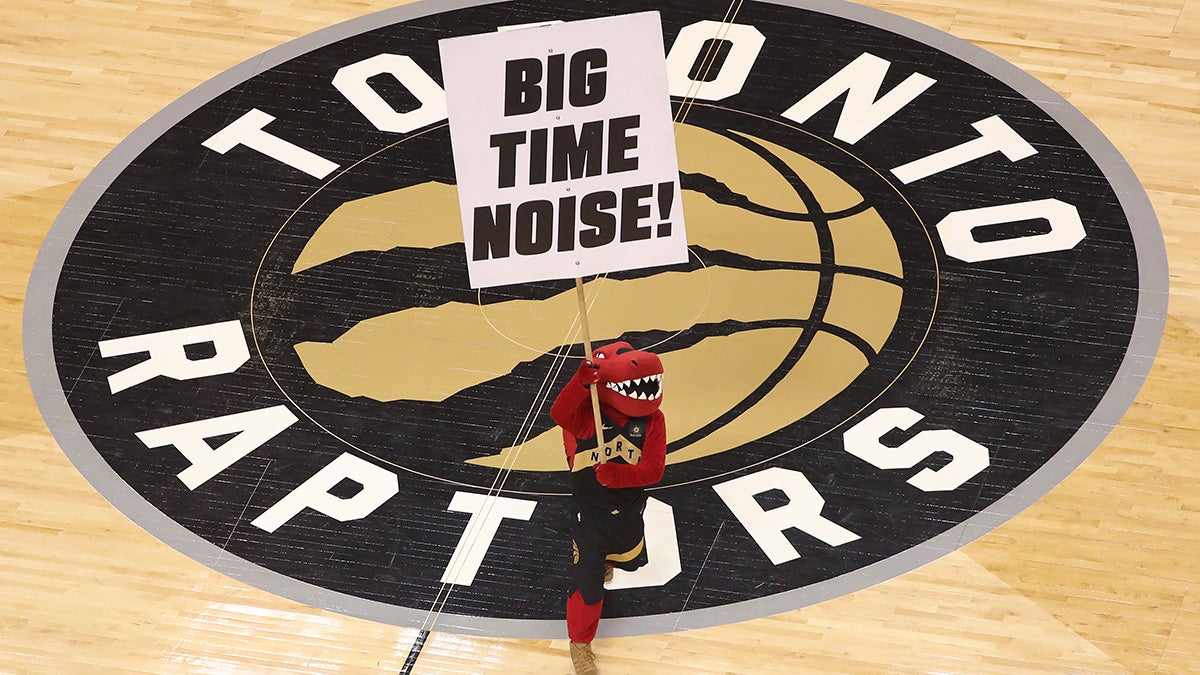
<point x="582" y="619"/>
<point x="586" y="599"/>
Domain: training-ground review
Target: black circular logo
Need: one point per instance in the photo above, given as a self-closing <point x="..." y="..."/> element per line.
<point x="920" y="289"/>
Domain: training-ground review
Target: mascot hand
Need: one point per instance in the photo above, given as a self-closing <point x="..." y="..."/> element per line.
<point x="589" y="373"/>
<point x="606" y="474"/>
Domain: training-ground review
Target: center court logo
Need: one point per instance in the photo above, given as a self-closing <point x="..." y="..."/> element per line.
<point x="920" y="289"/>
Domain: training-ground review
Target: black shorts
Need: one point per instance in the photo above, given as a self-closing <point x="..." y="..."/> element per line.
<point x="602" y="537"/>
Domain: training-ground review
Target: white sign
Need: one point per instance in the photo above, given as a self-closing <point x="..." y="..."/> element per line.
<point x="564" y="150"/>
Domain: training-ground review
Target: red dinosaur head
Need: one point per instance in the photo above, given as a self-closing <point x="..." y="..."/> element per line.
<point x="631" y="380"/>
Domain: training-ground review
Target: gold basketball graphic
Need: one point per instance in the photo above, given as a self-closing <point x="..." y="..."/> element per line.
<point x="749" y="208"/>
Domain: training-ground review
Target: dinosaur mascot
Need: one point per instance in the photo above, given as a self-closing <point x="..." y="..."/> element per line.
<point x="608" y="483"/>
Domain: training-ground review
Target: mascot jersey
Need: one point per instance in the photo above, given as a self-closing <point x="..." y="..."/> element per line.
<point x="635" y="432"/>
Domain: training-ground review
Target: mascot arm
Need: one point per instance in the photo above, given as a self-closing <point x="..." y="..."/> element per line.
<point x="572" y="410"/>
<point x="649" y="470"/>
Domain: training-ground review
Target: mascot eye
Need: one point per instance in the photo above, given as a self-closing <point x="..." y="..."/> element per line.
<point x="599" y="355"/>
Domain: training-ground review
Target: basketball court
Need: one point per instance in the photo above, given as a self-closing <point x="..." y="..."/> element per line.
<point x="363" y="477"/>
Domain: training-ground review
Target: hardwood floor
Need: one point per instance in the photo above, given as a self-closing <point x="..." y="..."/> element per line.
<point x="1099" y="576"/>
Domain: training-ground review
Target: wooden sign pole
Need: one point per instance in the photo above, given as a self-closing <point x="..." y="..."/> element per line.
<point x="587" y="344"/>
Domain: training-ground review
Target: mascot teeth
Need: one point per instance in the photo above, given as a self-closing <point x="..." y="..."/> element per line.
<point x="643" y="388"/>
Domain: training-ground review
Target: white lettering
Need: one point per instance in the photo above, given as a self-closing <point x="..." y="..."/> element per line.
<point x="662" y="551"/>
<point x="248" y="130"/>
<point x="1066" y="230"/>
<point x="378" y="486"/>
<point x="745" y="44"/>
<point x="253" y="428"/>
<point x="803" y="512"/>
<point x="994" y="136"/>
<point x="168" y="358"/>
<point x="352" y="81"/>
<point x="860" y="80"/>
<point x="486" y="514"/>
<point x="968" y="457"/>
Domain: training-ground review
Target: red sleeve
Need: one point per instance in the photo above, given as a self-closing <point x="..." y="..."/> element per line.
<point x="649" y="469"/>
<point x="572" y="410"/>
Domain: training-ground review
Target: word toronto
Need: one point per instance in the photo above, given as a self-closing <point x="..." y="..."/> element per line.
<point x="607" y="146"/>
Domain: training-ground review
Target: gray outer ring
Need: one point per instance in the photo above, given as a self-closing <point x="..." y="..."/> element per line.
<point x="47" y="388"/>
